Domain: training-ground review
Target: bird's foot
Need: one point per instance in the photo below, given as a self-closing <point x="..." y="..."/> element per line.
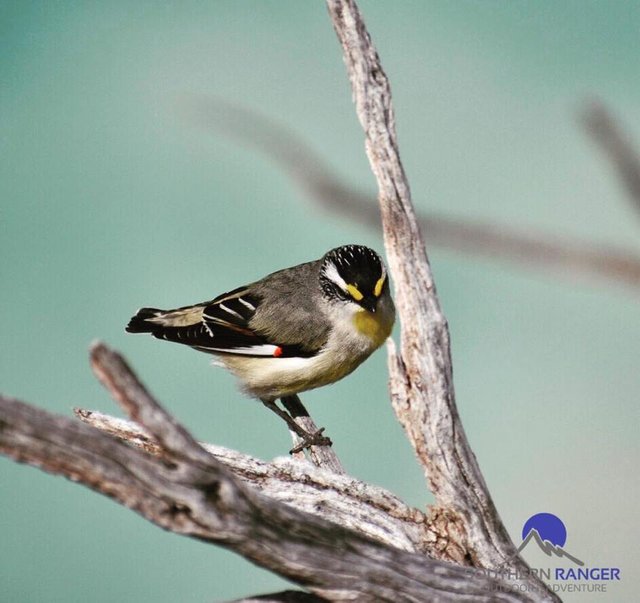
<point x="311" y="439"/>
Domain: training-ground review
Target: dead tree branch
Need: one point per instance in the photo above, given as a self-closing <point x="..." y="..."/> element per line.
<point x="421" y="375"/>
<point x="338" y="498"/>
<point x="187" y="491"/>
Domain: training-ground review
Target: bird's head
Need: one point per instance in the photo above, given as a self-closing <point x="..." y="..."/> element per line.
<point x="354" y="274"/>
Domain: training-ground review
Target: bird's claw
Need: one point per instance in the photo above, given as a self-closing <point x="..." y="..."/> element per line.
<point x="312" y="439"/>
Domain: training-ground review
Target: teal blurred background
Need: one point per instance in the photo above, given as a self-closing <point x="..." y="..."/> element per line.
<point x="110" y="200"/>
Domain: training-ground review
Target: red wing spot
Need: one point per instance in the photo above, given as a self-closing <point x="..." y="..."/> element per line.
<point x="277" y="352"/>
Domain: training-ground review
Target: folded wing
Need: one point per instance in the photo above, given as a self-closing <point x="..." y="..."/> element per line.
<point x="221" y="326"/>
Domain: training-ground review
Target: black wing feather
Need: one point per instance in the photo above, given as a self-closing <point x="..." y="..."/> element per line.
<point x="228" y="317"/>
<point x="223" y="328"/>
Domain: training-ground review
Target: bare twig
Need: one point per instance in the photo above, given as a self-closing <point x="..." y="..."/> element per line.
<point x="188" y="491"/>
<point x="605" y="129"/>
<point x="321" y="456"/>
<point x="557" y="255"/>
<point x="421" y="379"/>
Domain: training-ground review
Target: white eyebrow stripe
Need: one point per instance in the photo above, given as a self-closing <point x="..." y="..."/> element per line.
<point x="331" y="272"/>
<point x="246" y="304"/>
<point x="230" y="311"/>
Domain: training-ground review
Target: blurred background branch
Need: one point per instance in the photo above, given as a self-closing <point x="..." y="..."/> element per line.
<point x="552" y="254"/>
<point x="609" y="134"/>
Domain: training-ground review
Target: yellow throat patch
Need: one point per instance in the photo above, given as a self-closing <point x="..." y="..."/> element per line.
<point x="374" y="326"/>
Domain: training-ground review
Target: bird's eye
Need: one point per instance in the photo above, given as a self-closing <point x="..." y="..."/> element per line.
<point x="332" y="290"/>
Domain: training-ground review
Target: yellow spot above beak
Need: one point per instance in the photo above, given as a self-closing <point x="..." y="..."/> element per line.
<point x="377" y="291"/>
<point x="354" y="292"/>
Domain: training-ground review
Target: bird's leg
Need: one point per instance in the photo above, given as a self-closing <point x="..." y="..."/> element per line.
<point x="296" y="416"/>
<point x="320" y="451"/>
<point x="293" y="426"/>
<point x="306" y="434"/>
<point x="300" y="415"/>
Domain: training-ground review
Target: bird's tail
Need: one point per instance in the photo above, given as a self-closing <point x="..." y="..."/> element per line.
<point x="140" y="322"/>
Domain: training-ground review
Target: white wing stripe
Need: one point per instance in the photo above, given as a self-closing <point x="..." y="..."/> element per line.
<point x="246" y="304"/>
<point x="230" y="311"/>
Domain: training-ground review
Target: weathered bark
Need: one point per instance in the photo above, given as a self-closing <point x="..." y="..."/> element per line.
<point x="338" y="498"/>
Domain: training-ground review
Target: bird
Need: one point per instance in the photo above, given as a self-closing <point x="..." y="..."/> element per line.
<point x="296" y="329"/>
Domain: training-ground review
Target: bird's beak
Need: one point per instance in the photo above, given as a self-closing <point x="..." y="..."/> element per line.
<point x="370" y="303"/>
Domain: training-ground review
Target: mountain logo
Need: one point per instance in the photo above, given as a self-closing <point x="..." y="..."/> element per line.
<point x="549" y="533"/>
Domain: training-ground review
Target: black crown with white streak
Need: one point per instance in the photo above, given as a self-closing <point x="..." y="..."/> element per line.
<point x="355" y="265"/>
